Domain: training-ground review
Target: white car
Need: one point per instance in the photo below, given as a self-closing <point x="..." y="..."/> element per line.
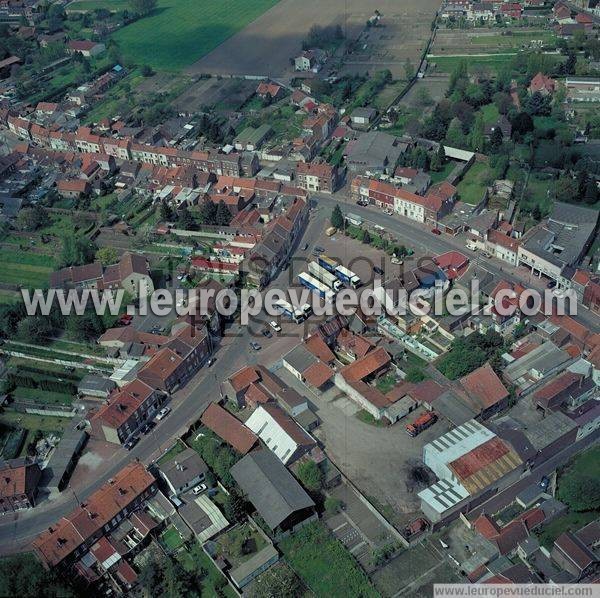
<point x="199" y="488"/>
<point x="163" y="413"/>
<point x="275" y="326"/>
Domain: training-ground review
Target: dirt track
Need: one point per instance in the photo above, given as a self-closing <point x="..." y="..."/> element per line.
<point x="265" y="46"/>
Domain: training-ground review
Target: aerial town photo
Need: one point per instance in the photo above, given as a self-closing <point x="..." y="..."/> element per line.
<point x="299" y="298"/>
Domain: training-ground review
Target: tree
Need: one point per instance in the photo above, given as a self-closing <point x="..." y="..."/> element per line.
<point x="223" y="215"/>
<point x="537" y="104"/>
<point x="522" y="123"/>
<point x="496" y="139"/>
<point x="337" y="218"/>
<point x="76" y="250"/>
<point x="34" y="328"/>
<point x="367" y="239"/>
<point x="107" y="255"/>
<point x="147" y="71"/>
<point x="333" y="505"/>
<point x="310" y="475"/>
<point x="566" y="189"/>
<point x="22" y="575"/>
<point x="165" y="211"/>
<point x="208" y="212"/>
<point x="536" y="212"/>
<point x="235" y="506"/>
<point x="85" y="327"/>
<point x="142" y="7"/>
<point x="184" y="219"/>
<point x="580" y="491"/>
<point x="30" y="219"/>
<point x="437" y="160"/>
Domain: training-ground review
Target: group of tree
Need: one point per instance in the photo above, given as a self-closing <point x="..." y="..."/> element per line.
<point x="578" y="188"/>
<point x="468" y="353"/>
<point x="31" y="218"/>
<point x="215" y="214"/>
<point x="76" y="250"/>
<point x="142" y="7"/>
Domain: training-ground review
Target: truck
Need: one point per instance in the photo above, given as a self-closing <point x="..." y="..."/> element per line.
<point x="287" y="309"/>
<point x="328" y="263"/>
<point x="348" y="277"/>
<point x="310" y="282"/>
<point x="421" y="423"/>
<point x="324" y="276"/>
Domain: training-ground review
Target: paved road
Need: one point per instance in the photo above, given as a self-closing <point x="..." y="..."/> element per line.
<point x="187" y="405"/>
<point x="419" y="236"/>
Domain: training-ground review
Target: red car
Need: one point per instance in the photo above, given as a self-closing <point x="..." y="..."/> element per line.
<point x="125" y="320"/>
<point x="436" y="231"/>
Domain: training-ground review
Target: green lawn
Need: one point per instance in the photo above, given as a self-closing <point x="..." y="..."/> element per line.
<point x="474" y="183"/>
<point x="324" y="564"/>
<point x="179" y="32"/>
<point x="516" y="39"/>
<point x="441" y="175"/>
<point x="171" y="538"/>
<point x="490" y="113"/>
<point x="177" y="448"/>
<point x="25" y="268"/>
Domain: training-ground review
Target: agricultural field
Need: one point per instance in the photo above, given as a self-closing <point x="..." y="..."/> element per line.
<point x="266" y="45"/>
<point x="179" y="32"/>
<point x="89" y="5"/>
<point x="27" y="269"/>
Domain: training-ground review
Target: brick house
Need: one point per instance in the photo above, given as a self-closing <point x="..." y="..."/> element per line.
<point x="19" y="480"/>
<point x="317" y="177"/>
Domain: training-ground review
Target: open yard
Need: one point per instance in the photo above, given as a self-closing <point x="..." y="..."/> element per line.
<point x="473" y="185"/>
<point x="178" y="32"/>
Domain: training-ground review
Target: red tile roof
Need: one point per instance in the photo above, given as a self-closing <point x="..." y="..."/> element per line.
<point x="484" y="386"/>
<point x="229" y="428"/>
<point x="243" y="378"/>
<point x="317" y="374"/>
<point x="318" y="347"/>
<point x="62" y="539"/>
<point x="371" y="363"/>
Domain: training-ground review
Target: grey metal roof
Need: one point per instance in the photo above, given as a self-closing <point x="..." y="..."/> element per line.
<point x="270" y="487"/>
<point x="543" y="359"/>
<point x="60" y="460"/>
<point x="95" y="383"/>
<point x="453" y="409"/>
<point x="376" y="150"/>
<point x="300" y="358"/>
<point x="184" y="467"/>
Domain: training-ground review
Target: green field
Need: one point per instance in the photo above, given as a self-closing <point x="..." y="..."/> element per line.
<point x="516" y="39"/>
<point x="447" y="64"/>
<point x="179" y="32"/>
<point x="113" y="5"/>
<point x="25" y="269"/>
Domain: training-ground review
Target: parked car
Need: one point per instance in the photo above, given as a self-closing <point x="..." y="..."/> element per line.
<point x="199" y="488"/>
<point x="163" y="413"/>
<point x="318" y="250"/>
<point x="486" y="254"/>
<point x="255" y="346"/>
<point x="275" y="326"/>
<point x="544" y="483"/>
<point x="131" y="442"/>
<point x="211" y="361"/>
<point x="147" y="427"/>
<point x="266" y="332"/>
<point x="378" y="270"/>
<point x="551" y="284"/>
<point x="436" y="231"/>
